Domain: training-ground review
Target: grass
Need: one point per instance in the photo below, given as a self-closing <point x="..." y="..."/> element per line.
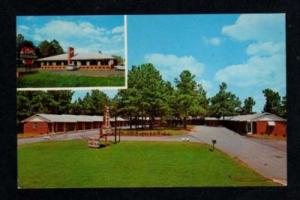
<point x="28" y="135"/>
<point x="47" y="79"/>
<point x="71" y="164"/>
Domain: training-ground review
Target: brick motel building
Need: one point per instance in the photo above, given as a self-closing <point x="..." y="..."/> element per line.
<point x="52" y="123"/>
<point x="83" y="61"/>
<point x="258" y="123"/>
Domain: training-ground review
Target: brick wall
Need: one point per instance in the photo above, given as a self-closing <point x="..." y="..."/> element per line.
<point x="278" y="130"/>
<point x="36" y="127"/>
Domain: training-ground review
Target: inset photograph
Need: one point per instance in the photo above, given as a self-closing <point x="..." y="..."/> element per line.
<point x="70" y="51"/>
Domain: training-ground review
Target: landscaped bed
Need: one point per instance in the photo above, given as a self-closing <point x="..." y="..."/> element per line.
<point x="157" y="131"/>
<point x="71" y="164"/>
<point x="48" y="79"/>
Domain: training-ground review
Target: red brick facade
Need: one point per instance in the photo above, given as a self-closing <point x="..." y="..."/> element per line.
<point x="261" y="127"/>
<point x="36" y="127"/>
<point x="45" y="128"/>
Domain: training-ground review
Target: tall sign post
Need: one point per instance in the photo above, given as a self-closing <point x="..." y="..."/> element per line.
<point x="106" y="129"/>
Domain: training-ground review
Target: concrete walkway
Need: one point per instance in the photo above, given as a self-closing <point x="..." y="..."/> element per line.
<point x="269" y="158"/>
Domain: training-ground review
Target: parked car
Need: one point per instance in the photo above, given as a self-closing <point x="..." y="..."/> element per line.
<point x="72" y="67"/>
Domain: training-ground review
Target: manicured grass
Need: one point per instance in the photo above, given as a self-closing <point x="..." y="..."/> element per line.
<point x="47" y="79"/>
<point x="71" y="164"/>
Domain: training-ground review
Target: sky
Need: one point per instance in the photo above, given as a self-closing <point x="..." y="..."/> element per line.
<point x="84" y="33"/>
<point x="247" y="51"/>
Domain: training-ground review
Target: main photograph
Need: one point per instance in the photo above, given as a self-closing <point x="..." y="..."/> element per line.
<point x="205" y="106"/>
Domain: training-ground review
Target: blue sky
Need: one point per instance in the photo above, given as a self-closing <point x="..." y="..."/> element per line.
<point x="246" y="51"/>
<point x="84" y="33"/>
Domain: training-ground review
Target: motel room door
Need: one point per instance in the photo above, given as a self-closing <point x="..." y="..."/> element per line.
<point x="250" y="126"/>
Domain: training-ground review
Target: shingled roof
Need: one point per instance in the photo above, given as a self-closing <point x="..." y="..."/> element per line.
<point x="77" y="56"/>
<point x="69" y="118"/>
<point x="250" y="117"/>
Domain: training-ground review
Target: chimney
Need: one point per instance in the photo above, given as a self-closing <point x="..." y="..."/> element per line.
<point x="70" y="54"/>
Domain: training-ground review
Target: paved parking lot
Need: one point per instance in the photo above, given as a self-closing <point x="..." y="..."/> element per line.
<point x="269" y="158"/>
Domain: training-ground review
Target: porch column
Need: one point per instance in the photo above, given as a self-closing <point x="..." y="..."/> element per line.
<point x="52" y="124"/>
<point x="87" y="63"/>
<point x="99" y="63"/>
<point x="64" y="126"/>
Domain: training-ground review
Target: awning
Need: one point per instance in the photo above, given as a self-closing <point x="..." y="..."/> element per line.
<point x="271" y="123"/>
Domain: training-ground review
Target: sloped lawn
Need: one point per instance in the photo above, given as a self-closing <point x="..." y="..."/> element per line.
<point x="71" y="164"/>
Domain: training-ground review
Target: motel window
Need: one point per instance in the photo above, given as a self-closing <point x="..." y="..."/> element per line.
<point x="34" y="125"/>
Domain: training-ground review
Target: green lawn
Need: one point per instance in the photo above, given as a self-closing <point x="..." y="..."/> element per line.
<point x="48" y="79"/>
<point x="71" y="164"/>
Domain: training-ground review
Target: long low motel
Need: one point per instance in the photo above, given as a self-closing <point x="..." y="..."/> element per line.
<point x="53" y="123"/>
<point x="258" y="123"/>
<point x="83" y="61"/>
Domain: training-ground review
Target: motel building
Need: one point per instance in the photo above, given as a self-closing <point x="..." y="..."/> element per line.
<point x="258" y="123"/>
<point x="81" y="61"/>
<point x="52" y="123"/>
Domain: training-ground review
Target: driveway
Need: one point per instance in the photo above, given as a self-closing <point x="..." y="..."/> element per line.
<point x="268" y="158"/>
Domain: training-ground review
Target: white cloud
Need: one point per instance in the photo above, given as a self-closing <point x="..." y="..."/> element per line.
<point x="64" y="29"/>
<point x="206" y="84"/>
<point x="267" y="71"/>
<point x="265" y="48"/>
<point x="118" y="29"/>
<point x="208" y="87"/>
<point x="215" y="41"/>
<point x="265" y="67"/>
<point x="23" y="29"/>
<point x="171" y="66"/>
<point x="83" y="35"/>
<point x="257" y="27"/>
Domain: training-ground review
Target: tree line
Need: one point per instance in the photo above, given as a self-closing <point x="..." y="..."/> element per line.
<point x="43" y="49"/>
<point x="149" y="96"/>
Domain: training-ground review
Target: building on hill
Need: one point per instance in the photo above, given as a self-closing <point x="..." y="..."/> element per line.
<point x="82" y="61"/>
<point x="52" y="123"/>
<point x="258" y="123"/>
